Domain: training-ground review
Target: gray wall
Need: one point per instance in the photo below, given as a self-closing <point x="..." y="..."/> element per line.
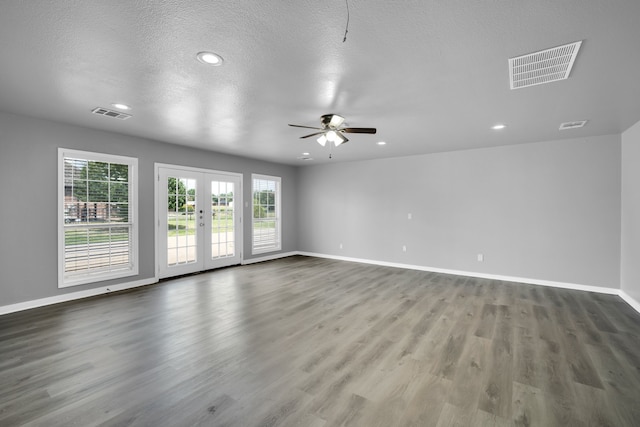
<point x="28" y="172"/>
<point x="630" y="263"/>
<point x="545" y="211"/>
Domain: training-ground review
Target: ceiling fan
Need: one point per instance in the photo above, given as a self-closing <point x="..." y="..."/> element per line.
<point x="331" y="130"/>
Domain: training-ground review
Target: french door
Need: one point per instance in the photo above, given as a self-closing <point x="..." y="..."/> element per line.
<point x="199" y="220"/>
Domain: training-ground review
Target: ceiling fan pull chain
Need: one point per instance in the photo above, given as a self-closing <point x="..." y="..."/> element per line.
<point x="346" y="30"/>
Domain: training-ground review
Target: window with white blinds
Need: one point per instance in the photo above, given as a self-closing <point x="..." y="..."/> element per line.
<point x="97" y="217"/>
<point x="266" y="214"/>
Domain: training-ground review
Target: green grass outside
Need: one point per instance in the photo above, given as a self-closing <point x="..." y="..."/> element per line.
<point x="181" y="225"/>
<point x="185" y="225"/>
<point x="265" y="224"/>
<point x="79" y="237"/>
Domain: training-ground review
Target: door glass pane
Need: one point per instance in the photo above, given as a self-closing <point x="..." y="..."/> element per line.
<point x="181" y="221"/>
<point x="222" y="232"/>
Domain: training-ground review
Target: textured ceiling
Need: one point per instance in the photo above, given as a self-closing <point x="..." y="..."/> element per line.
<point x="430" y="75"/>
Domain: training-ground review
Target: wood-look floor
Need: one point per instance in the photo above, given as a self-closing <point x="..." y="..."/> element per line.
<point x="313" y="342"/>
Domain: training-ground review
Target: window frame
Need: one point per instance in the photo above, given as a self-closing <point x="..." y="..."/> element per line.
<point x="277" y="246"/>
<point x="67" y="280"/>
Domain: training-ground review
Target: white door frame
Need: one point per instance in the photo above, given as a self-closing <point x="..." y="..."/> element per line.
<point x="238" y="203"/>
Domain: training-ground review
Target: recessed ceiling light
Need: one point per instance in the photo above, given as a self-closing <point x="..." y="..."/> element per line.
<point x="209" y="58"/>
<point x="121" y="106"/>
<point x="381" y="143"/>
<point x="498" y="126"/>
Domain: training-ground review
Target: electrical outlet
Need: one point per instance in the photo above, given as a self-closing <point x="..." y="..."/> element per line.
<point x="480" y="257"/>
<point x="409" y="215"/>
<point x="340" y="245"/>
<point x="404" y="248"/>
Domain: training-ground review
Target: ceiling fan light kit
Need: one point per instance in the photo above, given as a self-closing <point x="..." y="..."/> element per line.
<point x="332" y="132"/>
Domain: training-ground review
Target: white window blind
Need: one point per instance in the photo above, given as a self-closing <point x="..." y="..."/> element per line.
<point x="97" y="221"/>
<point x="266" y="214"/>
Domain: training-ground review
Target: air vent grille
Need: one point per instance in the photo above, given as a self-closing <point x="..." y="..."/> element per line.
<point x="111" y="113"/>
<point x="573" y="125"/>
<point x="546" y="66"/>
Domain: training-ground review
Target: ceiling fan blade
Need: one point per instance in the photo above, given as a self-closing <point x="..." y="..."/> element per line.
<point x="306" y="127"/>
<point x="312" y="134"/>
<point x="358" y="130"/>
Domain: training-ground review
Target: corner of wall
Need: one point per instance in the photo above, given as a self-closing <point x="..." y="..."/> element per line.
<point x="630" y="216"/>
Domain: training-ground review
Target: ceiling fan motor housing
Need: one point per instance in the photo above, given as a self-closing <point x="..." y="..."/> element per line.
<point x="331" y="121"/>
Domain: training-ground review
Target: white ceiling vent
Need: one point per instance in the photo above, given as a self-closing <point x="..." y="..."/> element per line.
<point x="573" y="125"/>
<point x="546" y="66"/>
<point x="111" y="113"/>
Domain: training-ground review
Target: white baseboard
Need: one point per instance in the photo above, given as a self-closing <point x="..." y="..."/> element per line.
<point x="12" y="308"/>
<point x="26" y="305"/>
<point x="629" y="300"/>
<point x="269" y="257"/>
<point x="599" y="289"/>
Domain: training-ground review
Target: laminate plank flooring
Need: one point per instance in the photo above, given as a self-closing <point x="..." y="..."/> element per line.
<point x="313" y="342"/>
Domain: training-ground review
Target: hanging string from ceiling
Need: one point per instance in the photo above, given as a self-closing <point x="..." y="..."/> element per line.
<point x="346" y="30"/>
